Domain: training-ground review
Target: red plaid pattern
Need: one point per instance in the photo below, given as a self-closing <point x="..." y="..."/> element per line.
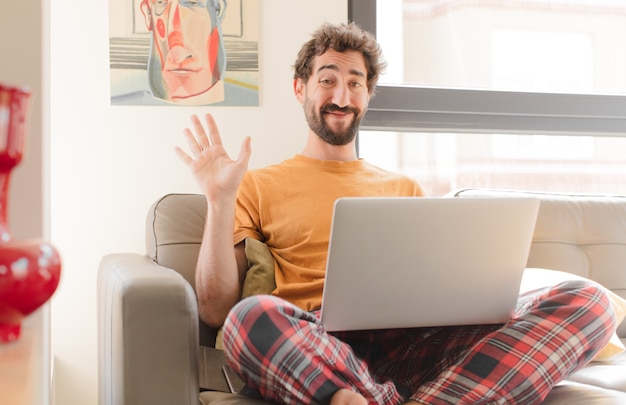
<point x="285" y="355"/>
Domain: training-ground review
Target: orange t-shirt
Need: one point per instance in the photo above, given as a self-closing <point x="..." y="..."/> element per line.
<point x="289" y="207"/>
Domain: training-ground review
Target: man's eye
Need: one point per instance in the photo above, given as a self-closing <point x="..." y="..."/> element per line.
<point x="192" y="3"/>
<point x="159" y="6"/>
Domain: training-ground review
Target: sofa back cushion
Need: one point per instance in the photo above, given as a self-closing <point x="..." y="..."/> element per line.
<point x="174" y="227"/>
<point x="580" y="234"/>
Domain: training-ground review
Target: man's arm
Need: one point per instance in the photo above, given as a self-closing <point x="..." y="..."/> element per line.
<point x="221" y="266"/>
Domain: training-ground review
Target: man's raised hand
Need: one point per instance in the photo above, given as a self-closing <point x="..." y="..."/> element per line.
<point x="215" y="172"/>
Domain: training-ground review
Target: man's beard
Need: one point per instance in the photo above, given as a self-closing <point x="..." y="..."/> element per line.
<point x="319" y="125"/>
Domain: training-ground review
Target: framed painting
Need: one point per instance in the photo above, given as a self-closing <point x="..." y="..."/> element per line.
<point x="184" y="52"/>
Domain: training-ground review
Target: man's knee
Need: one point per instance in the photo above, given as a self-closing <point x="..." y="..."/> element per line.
<point x="586" y="293"/>
<point x="254" y="320"/>
<point x="590" y="298"/>
<point x="246" y="312"/>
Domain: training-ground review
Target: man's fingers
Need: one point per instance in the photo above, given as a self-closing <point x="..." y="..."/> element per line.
<point x="183" y="156"/>
<point x="199" y="141"/>
<point x="195" y="147"/>
<point x="245" y="152"/>
<point x="201" y="136"/>
<point x="214" y="133"/>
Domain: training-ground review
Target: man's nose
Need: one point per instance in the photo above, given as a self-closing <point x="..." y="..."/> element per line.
<point x="175" y="34"/>
<point x="341" y="95"/>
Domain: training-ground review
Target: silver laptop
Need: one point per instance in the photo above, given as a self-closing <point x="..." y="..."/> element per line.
<point x="425" y="261"/>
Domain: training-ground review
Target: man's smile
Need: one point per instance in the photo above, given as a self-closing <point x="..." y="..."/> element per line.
<point x="338" y="114"/>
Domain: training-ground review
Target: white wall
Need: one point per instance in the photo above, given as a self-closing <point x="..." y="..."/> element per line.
<point x="108" y="164"/>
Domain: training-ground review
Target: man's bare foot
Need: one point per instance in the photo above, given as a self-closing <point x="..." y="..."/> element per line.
<point x="347" y="397"/>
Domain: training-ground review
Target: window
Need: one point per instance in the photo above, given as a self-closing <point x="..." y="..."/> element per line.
<point x="528" y="94"/>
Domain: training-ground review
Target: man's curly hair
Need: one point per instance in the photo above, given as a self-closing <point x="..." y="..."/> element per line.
<point x="341" y="37"/>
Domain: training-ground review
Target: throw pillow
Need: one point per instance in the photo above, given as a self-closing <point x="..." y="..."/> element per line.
<point x="259" y="278"/>
<point x="539" y="278"/>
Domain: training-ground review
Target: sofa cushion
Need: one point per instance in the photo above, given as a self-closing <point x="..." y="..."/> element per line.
<point x="574" y="393"/>
<point x="605" y="374"/>
<point x="220" y="398"/>
<point x="260" y="277"/>
<point x="174" y="228"/>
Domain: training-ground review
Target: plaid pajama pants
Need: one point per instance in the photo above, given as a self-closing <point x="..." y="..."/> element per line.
<point x="285" y="355"/>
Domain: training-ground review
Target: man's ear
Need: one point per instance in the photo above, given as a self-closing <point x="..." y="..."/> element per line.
<point x="147" y="13"/>
<point x="298" y="89"/>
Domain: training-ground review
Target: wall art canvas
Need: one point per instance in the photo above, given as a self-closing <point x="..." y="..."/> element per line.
<point x="184" y="52"/>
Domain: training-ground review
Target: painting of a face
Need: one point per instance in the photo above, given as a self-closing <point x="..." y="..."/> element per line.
<point x="187" y="53"/>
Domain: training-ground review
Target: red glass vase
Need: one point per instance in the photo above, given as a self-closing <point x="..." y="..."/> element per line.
<point x="30" y="270"/>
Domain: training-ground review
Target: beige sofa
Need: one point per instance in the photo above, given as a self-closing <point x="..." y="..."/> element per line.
<point x="150" y="337"/>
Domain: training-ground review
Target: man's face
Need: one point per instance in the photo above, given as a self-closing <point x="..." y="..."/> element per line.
<point x="335" y="97"/>
<point x="187" y="55"/>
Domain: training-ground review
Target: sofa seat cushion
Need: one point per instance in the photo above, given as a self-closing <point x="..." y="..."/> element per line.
<point x="609" y="374"/>
<point x="573" y="393"/>
<point x="599" y="383"/>
<point x="221" y="398"/>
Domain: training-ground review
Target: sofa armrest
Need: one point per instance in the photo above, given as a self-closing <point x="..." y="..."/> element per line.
<point x="147" y="333"/>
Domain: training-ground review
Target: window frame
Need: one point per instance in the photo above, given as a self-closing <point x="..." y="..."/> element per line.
<point x="410" y="108"/>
